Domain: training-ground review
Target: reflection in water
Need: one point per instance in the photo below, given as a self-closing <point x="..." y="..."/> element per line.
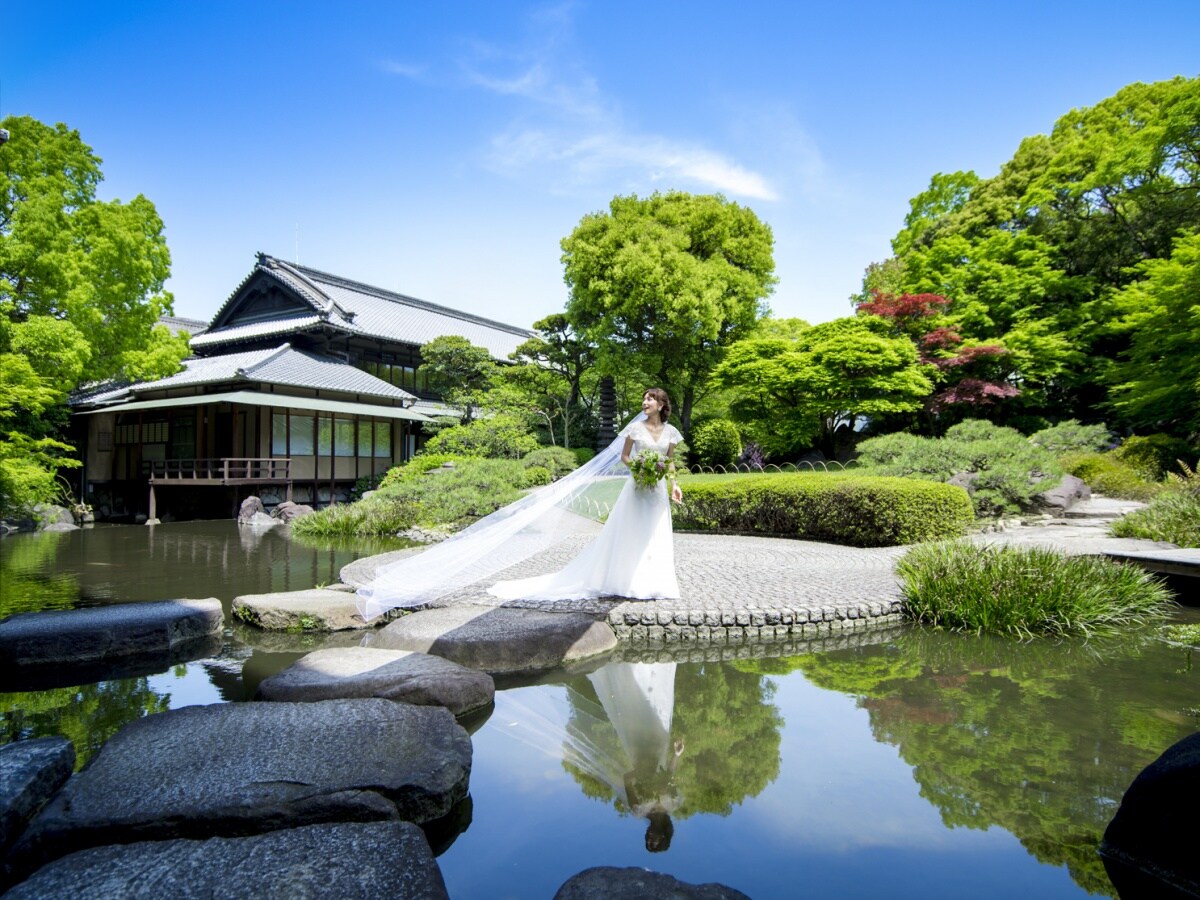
<point x="1039" y="738"/>
<point x="656" y="740"/>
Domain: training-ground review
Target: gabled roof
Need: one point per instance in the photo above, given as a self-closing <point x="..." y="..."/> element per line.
<point x="354" y="308"/>
<point x="283" y="366"/>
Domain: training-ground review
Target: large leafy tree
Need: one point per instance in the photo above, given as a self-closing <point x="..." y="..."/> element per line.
<point x="663" y="284"/>
<point x="794" y="392"/>
<point x="81" y="291"/>
<point x="1035" y="258"/>
<point x="461" y="372"/>
<point x="552" y="370"/>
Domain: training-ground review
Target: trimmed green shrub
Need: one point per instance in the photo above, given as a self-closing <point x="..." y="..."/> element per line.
<point x="1072" y="437"/>
<point x="1154" y="455"/>
<point x="1023" y="591"/>
<point x="1106" y="474"/>
<point x="502" y="436"/>
<point x="1005" y="469"/>
<point x="558" y="461"/>
<point x="583" y="454"/>
<point x="716" y="443"/>
<point x="452" y="496"/>
<point x="418" y="466"/>
<point x="536" y="476"/>
<point x="846" y="509"/>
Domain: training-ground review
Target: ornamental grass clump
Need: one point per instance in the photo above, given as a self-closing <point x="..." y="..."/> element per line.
<point x="1026" y="591"/>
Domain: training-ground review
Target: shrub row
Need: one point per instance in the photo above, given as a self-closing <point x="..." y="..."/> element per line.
<point x="1108" y="474"/>
<point x="861" y="511"/>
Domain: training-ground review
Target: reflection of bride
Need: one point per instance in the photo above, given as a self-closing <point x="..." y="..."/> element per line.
<point x="639" y="699"/>
<point x="632" y="557"/>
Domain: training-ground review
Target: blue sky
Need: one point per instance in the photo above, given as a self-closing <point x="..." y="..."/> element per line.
<point x="443" y="149"/>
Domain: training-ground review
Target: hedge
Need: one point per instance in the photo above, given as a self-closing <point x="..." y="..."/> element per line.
<point x="862" y="511"/>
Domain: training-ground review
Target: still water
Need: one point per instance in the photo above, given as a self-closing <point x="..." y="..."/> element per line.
<point x="898" y="762"/>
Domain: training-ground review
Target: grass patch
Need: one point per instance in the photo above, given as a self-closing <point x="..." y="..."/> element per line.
<point x="1107" y="474"/>
<point x="1184" y="635"/>
<point x="1026" y="591"/>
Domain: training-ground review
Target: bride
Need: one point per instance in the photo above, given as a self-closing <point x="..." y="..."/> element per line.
<point x="633" y="556"/>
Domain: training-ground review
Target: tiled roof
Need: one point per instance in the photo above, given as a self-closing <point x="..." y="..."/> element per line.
<point x="180" y="323"/>
<point x="361" y="309"/>
<point x="281" y="365"/>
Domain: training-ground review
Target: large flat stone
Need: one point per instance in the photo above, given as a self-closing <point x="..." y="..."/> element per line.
<point x="72" y="646"/>
<point x="30" y="773"/>
<point x="499" y="640"/>
<point x="401" y="675"/>
<point x="348" y="860"/>
<point x="246" y="768"/>
<point x="316" y="609"/>
<point x="611" y="883"/>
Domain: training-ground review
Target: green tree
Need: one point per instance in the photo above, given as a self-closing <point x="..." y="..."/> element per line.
<point x="459" y="371"/>
<point x="794" y="392"/>
<point x="551" y="369"/>
<point x="664" y="284"/>
<point x="81" y="291"/>
<point x="1157" y="387"/>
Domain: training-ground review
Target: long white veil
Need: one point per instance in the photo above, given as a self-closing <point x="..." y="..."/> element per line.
<point x="506" y="537"/>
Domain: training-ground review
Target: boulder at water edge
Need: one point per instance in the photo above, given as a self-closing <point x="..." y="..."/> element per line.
<point x="609" y="883"/>
<point x="316" y="609"/>
<point x="401" y="675"/>
<point x="72" y="646"/>
<point x="245" y="768"/>
<point x="1151" y="848"/>
<point x="30" y="773"/>
<point x="499" y="641"/>
<point x="349" y="860"/>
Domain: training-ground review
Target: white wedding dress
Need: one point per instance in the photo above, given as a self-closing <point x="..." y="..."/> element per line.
<point x="634" y="554"/>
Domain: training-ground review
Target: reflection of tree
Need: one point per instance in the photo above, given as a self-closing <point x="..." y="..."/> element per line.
<point x="729" y="731"/>
<point x="28" y="580"/>
<point x="1039" y="738"/>
<point x="87" y="715"/>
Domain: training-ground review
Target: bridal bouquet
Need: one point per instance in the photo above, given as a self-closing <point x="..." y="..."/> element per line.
<point x="650" y="467"/>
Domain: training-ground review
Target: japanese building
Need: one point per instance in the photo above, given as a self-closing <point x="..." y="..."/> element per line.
<point x="302" y="384"/>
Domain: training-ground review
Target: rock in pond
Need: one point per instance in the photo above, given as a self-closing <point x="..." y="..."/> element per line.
<point x="499" y="641"/>
<point x="1151" y="848"/>
<point x="610" y="883"/>
<point x="405" y="676"/>
<point x="345" y="860"/>
<point x="316" y="609"/>
<point x="72" y="646"/>
<point x="247" y="768"/>
<point x="30" y="773"/>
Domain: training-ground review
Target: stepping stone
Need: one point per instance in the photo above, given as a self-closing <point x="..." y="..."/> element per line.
<point x="247" y="768"/>
<point x="499" y="641"/>
<point x="73" y="646"/>
<point x="30" y="773"/>
<point x="610" y="883"/>
<point x="349" y="860"/>
<point x="401" y="675"/>
<point x="317" y="609"/>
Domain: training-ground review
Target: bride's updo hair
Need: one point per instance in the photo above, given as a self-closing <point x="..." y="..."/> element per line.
<point x="660" y="395"/>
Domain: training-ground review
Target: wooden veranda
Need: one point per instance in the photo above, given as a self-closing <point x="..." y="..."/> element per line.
<point x="224" y="472"/>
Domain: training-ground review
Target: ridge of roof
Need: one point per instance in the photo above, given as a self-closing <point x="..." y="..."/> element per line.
<point x="326" y="305"/>
<point x="384" y="294"/>
<point x="247" y="371"/>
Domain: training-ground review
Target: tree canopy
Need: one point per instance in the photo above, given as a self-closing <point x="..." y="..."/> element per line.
<point x="1043" y="258"/>
<point x="663" y="284"/>
<point x="81" y="292"/>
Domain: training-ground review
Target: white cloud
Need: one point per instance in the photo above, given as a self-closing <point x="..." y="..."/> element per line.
<point x="404" y="70"/>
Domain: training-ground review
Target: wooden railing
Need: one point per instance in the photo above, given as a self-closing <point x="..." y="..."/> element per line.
<point x="223" y="471"/>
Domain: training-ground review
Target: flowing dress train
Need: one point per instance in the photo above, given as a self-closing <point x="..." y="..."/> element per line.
<point x="632" y="557"/>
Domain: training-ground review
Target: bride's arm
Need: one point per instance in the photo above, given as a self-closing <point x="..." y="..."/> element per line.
<point x="627" y="450"/>
<point x="676" y="490"/>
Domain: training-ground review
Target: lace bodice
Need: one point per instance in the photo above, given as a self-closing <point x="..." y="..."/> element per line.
<point x="643" y="440"/>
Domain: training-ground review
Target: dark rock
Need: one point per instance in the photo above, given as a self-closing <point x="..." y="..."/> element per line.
<point x="250" y="507"/>
<point x="248" y="768"/>
<point x="48" y="514"/>
<point x="499" y="640"/>
<point x="71" y="646"/>
<point x="30" y="773"/>
<point x="61" y="526"/>
<point x="399" y="675"/>
<point x="1150" y="846"/>
<point x="610" y="883"/>
<point x="345" y="860"/>
<point x="287" y="510"/>
<point x="1064" y="495"/>
<point x="312" y="610"/>
<point x="965" y="480"/>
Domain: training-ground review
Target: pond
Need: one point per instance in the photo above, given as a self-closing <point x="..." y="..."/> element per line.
<point x="895" y="761"/>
